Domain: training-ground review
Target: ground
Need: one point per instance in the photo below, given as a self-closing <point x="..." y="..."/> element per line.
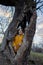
<point x="35" y="59"/>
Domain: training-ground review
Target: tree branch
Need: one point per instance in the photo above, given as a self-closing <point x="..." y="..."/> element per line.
<point x="39" y="7"/>
<point x="39" y="2"/>
<point x="40" y="10"/>
<point x="6" y="2"/>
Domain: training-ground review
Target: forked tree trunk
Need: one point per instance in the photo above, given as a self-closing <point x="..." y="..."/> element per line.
<point x="12" y="29"/>
<point x="24" y="50"/>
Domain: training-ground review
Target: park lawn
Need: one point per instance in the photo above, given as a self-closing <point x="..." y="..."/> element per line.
<point x="36" y="58"/>
<point x="36" y="54"/>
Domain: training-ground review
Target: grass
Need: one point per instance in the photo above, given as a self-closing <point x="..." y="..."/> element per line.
<point x="37" y="58"/>
<point x="0" y="44"/>
<point x="38" y="55"/>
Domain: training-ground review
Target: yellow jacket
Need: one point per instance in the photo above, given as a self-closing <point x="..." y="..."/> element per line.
<point x="17" y="41"/>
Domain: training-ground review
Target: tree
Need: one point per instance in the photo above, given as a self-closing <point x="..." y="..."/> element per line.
<point x="22" y="7"/>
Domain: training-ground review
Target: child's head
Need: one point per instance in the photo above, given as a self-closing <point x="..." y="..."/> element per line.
<point x="20" y="31"/>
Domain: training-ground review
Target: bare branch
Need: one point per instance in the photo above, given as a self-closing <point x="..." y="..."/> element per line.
<point x="38" y="2"/>
<point x="39" y="7"/>
<point x="40" y="10"/>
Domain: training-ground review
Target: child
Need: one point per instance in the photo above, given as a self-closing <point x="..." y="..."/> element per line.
<point x="18" y="39"/>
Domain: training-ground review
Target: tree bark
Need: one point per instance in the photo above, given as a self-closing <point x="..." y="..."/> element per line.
<point x="11" y="2"/>
<point x="11" y="31"/>
<point x="8" y="2"/>
<point x="24" y="50"/>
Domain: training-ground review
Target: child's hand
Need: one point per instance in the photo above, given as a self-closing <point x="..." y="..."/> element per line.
<point x="15" y="48"/>
<point x="19" y="44"/>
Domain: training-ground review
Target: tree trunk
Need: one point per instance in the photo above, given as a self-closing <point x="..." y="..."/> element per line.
<point x="11" y="31"/>
<point x="24" y="50"/>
